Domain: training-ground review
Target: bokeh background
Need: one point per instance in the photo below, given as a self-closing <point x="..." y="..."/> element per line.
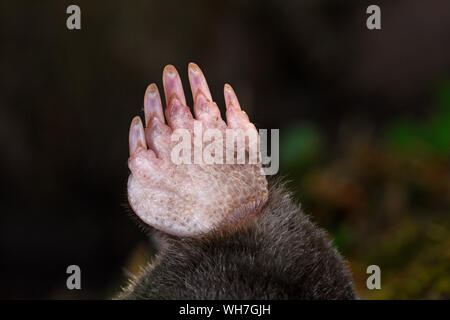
<point x="364" y="119"/>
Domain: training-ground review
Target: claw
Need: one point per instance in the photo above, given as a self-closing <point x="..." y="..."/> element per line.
<point x="152" y="104"/>
<point x="231" y="100"/>
<point x="198" y="82"/>
<point x="137" y="136"/>
<point x="173" y="87"/>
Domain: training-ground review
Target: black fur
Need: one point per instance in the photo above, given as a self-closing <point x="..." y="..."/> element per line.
<point x="277" y="254"/>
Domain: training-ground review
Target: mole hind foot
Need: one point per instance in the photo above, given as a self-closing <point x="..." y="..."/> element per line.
<point x="191" y="175"/>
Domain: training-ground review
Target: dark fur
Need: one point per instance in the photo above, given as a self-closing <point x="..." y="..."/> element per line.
<point x="277" y="254"/>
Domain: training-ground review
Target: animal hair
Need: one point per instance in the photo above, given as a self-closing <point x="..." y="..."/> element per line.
<point x="277" y="253"/>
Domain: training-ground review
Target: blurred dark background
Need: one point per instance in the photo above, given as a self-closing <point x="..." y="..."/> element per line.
<point x="364" y="119"/>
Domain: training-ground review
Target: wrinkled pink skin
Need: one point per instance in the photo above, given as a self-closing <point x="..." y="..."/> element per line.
<point x="189" y="199"/>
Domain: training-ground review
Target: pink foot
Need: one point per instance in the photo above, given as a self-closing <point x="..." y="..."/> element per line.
<point x="195" y="198"/>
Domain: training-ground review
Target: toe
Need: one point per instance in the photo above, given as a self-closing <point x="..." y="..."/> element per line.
<point x="207" y="111"/>
<point x="179" y="116"/>
<point x="157" y="135"/>
<point x="136" y="137"/>
<point x="152" y="104"/>
<point x="236" y="118"/>
<point x="204" y="108"/>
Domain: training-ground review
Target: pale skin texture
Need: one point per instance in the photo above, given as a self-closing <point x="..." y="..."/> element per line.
<point x="189" y="199"/>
